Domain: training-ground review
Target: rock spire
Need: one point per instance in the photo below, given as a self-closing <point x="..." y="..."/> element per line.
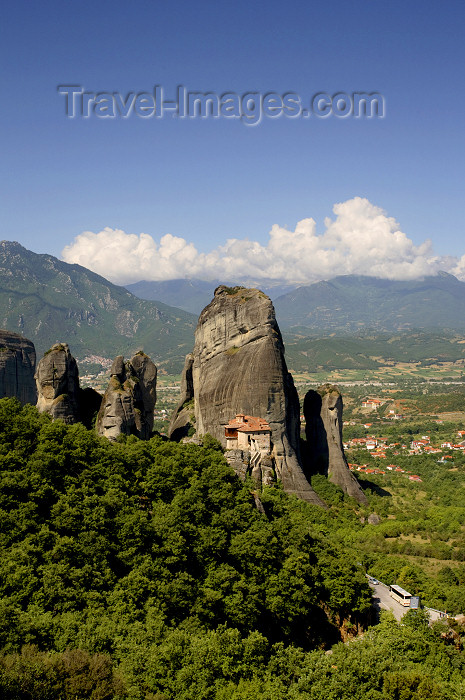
<point x="128" y="403"/>
<point x="17" y="367"/>
<point x="325" y="451"/>
<point x="57" y="380"/>
<point x="238" y="367"/>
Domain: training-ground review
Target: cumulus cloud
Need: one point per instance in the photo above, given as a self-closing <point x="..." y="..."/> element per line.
<point x="359" y="239"/>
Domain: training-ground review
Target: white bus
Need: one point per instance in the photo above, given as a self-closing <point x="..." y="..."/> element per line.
<point x="400" y="595"/>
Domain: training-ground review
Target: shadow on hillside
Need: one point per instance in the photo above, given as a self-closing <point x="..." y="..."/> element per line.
<point x="373" y="488"/>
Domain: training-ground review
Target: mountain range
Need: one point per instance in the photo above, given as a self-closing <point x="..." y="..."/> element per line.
<point x="344" y="305"/>
<point x="51" y="301"/>
<point x="352" y="303"/>
<point x="347" y="321"/>
<point x="193" y="295"/>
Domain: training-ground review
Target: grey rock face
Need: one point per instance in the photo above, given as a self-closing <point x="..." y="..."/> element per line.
<point x="128" y="403"/>
<point x="57" y="380"/>
<point x="183" y="418"/>
<point x="239" y="462"/>
<point x="374" y="519"/>
<point x="260" y="468"/>
<point x="17" y="367"/>
<point x="323" y="416"/>
<point x="238" y="367"/>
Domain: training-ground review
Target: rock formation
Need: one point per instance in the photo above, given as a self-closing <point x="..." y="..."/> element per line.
<point x="238" y="367"/>
<point x="57" y="380"/>
<point x="89" y="406"/>
<point x="128" y="403"/>
<point x="183" y="419"/>
<point x="246" y="464"/>
<point x="17" y="367"/>
<point x="325" y="452"/>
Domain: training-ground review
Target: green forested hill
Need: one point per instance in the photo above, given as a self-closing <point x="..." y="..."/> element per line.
<point x="369" y="351"/>
<point x="144" y="571"/>
<point x="350" y="303"/>
<point x="50" y="301"/>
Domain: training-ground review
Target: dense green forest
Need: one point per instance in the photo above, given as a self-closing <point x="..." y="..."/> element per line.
<point x="144" y="570"/>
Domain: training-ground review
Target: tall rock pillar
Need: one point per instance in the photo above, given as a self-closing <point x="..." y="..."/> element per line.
<point x="323" y="418"/>
<point x="17" y="367"/>
<point x="238" y="367"/>
<point x="57" y="380"/>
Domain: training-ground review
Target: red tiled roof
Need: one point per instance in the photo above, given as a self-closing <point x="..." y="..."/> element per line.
<point x="248" y="424"/>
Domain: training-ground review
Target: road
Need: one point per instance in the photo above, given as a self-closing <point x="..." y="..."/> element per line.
<point x="382" y="600"/>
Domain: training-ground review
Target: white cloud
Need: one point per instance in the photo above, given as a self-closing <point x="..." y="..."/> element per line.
<point x="360" y="239"/>
<point x="457" y="267"/>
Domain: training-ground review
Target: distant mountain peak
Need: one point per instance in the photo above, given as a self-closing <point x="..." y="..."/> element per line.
<point x="13" y="246"/>
<point x="51" y="301"/>
<point x="353" y="303"/>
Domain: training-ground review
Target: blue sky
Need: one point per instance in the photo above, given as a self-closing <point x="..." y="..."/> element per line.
<point x="207" y="181"/>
